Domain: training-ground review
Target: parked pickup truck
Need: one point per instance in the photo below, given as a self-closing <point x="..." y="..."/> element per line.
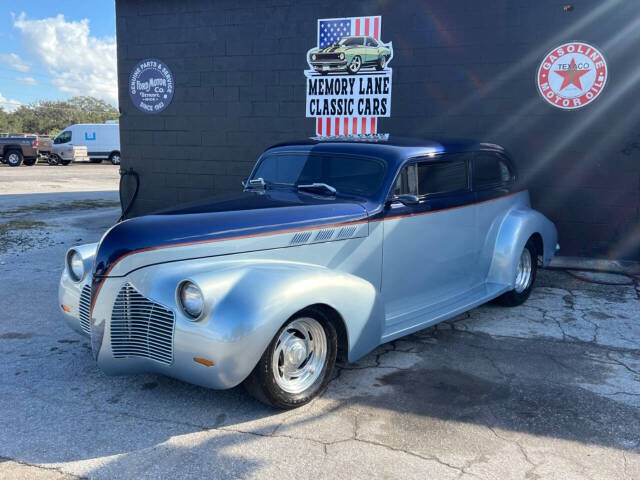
<point x="18" y="148"/>
<point x="44" y="147"/>
<point x="65" y="154"/>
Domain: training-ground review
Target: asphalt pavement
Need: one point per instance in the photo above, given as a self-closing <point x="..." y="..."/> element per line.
<point x="550" y="389"/>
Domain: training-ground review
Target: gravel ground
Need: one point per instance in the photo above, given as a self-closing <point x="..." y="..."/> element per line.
<point x="550" y="389"/>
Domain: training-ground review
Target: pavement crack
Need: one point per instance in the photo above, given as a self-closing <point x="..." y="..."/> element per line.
<point x="622" y="364"/>
<point x="41" y="467"/>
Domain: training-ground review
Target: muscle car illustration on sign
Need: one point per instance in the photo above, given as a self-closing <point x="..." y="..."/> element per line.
<point x="332" y="248"/>
<point x="349" y="55"/>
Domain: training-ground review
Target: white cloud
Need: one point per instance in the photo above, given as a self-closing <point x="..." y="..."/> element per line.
<point x="27" y="80"/>
<point x="8" y="105"/>
<point x="15" y="62"/>
<point x="78" y="63"/>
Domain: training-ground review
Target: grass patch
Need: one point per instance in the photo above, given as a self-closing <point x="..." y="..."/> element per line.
<point x="14" y="225"/>
<point x="73" y="205"/>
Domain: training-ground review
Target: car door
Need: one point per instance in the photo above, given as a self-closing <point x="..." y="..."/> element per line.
<point x="372" y="50"/>
<point x="493" y="178"/>
<point x="428" y="247"/>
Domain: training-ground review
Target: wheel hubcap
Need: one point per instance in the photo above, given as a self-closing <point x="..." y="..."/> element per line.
<point x="300" y="354"/>
<point x="13" y="158"/>
<point x="523" y="273"/>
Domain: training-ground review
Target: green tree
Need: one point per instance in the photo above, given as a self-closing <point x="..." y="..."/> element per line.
<point x="49" y="117"/>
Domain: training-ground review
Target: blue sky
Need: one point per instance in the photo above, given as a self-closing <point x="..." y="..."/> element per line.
<point x="52" y="50"/>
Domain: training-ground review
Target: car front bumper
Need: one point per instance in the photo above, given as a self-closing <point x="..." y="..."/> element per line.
<point x="329" y="66"/>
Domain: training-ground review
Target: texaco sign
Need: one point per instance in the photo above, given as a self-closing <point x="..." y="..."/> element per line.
<point x="572" y="75"/>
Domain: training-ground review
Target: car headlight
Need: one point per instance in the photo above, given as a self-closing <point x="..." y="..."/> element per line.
<point x="191" y="299"/>
<point x="341" y="56"/>
<point x="313" y="57"/>
<point x="75" y="265"/>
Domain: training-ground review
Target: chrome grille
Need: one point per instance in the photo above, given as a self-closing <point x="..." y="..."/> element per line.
<point x="346" y="232"/>
<point x="300" y="237"/>
<point x="324" y="235"/>
<point x="140" y="327"/>
<point x="327" y="56"/>
<point x="85" y="308"/>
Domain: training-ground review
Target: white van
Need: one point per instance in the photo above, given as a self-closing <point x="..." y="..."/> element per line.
<point x="101" y="139"/>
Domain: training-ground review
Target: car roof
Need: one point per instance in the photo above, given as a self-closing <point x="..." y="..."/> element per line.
<point x="394" y="149"/>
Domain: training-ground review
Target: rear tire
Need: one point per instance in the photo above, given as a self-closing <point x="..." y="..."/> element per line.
<point x="298" y="363"/>
<point x="525" y="277"/>
<point x="14" y="158"/>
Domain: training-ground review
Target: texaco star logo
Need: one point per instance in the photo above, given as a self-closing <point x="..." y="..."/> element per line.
<point x="572" y="75"/>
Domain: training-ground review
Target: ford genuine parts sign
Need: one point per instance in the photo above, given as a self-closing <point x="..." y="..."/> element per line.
<point x="151" y="86"/>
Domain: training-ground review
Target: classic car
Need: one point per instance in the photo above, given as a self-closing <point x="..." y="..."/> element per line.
<point x="349" y="55"/>
<point x="332" y="248"/>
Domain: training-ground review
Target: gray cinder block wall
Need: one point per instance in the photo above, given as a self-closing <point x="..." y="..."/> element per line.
<point x="461" y="68"/>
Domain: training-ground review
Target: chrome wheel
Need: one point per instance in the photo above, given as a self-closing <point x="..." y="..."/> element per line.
<point x="355" y="64"/>
<point x="13" y="159"/>
<point x="523" y="273"/>
<point x="300" y="355"/>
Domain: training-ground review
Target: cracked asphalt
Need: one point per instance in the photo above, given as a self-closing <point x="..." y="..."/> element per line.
<point x="548" y="390"/>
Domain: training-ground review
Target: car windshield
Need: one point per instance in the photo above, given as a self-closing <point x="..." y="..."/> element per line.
<point x="348" y="175"/>
<point x="350" y="41"/>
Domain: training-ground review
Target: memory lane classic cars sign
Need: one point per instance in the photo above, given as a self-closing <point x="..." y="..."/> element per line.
<point x="348" y="80"/>
<point x="151" y="86"/>
<point x="572" y="75"/>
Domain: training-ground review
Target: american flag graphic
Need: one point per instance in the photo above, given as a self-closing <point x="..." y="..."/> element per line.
<point x="330" y="31"/>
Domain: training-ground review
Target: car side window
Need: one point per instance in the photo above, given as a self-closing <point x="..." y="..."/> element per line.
<point x="442" y="177"/>
<point x="407" y="181"/>
<point x="64" y="137"/>
<point x="371" y="42"/>
<point x="490" y="169"/>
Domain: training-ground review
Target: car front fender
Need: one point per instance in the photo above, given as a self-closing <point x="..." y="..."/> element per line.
<point x="246" y="303"/>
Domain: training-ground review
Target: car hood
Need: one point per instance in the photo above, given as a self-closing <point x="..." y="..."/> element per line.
<point x="230" y="218"/>
<point x="334" y="49"/>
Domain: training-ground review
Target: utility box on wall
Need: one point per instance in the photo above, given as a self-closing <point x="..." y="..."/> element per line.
<point x="554" y="83"/>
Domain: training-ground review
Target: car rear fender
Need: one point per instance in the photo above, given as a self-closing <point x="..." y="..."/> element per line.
<point x="518" y="225"/>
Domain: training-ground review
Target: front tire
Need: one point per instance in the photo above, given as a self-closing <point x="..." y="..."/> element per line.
<point x="65" y="162"/>
<point x="382" y="62"/>
<point x="14" y="158"/>
<point x="355" y="65"/>
<point x="525" y="277"/>
<point x="298" y="363"/>
<point x="114" y="158"/>
<point x="29" y="162"/>
<point x="95" y="160"/>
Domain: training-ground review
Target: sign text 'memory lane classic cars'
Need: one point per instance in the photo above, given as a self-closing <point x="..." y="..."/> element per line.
<point x="333" y="248"/>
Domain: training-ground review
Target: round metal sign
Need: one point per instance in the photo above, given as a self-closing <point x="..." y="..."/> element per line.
<point x="572" y="75"/>
<point x="151" y="85"/>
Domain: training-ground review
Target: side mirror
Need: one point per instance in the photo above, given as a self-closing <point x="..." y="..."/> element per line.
<point x="407" y="199"/>
<point x="244" y="182"/>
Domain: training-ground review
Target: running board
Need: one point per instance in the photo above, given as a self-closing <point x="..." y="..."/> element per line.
<point x="441" y="311"/>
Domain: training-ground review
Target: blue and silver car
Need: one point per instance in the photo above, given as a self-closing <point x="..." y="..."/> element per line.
<point x="332" y="248"/>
